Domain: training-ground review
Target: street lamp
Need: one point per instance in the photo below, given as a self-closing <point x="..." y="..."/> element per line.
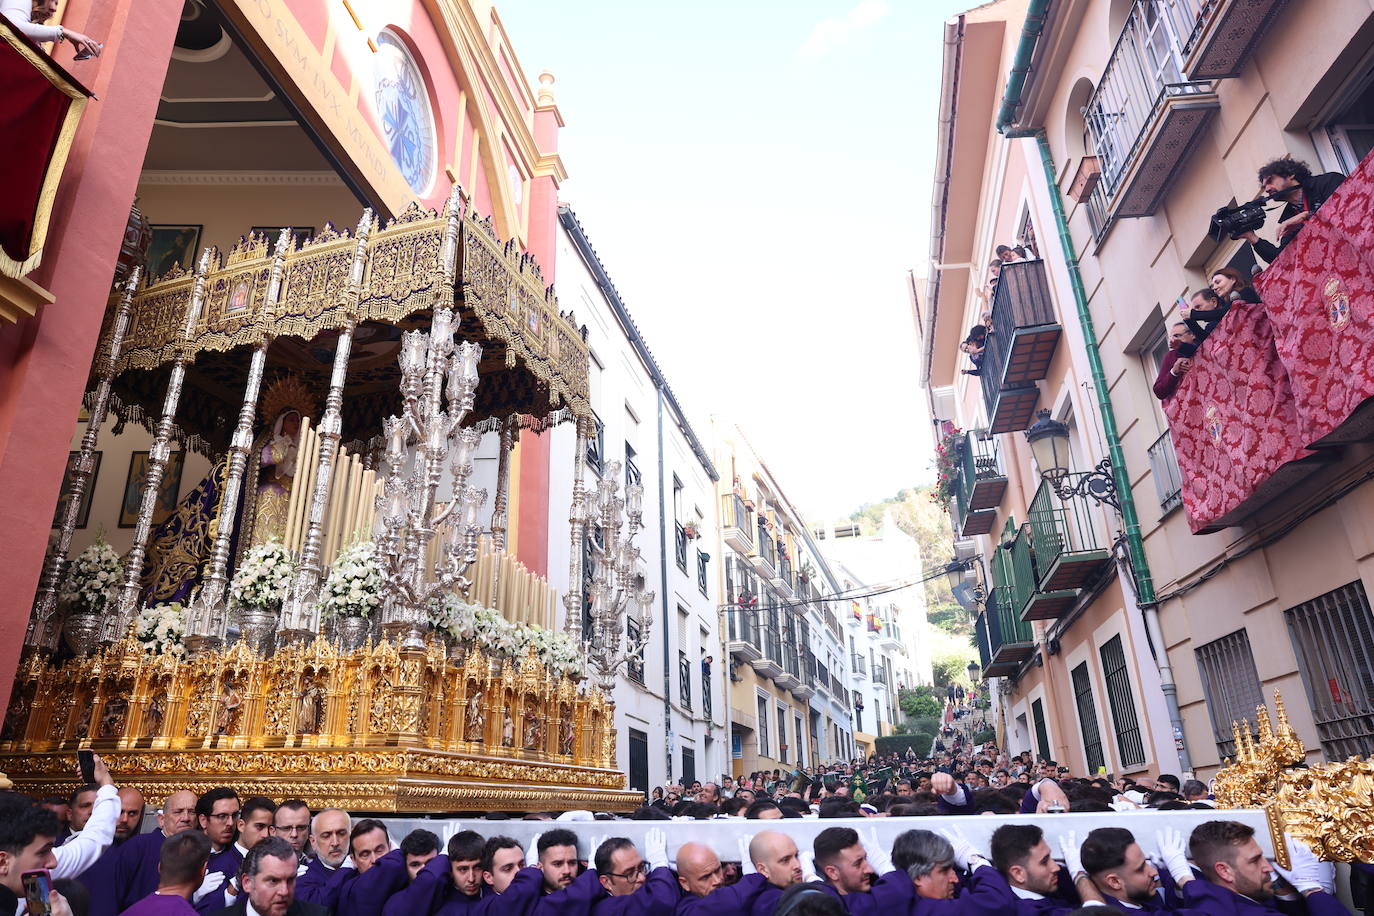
<point x="1049" y="442"/>
<point x="973" y="669"/>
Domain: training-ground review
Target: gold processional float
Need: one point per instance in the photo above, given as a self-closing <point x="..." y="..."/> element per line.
<point x="381" y="713"/>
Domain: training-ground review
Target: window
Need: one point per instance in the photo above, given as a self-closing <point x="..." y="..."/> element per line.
<point x="634" y="666"/>
<point x="702" y="559"/>
<point x="1042" y="734"/>
<point x="1122" y="702"/>
<point x="764" y="749"/>
<point x="689" y="765"/>
<point x="639" y="760"/>
<point x="1333" y="636"/>
<point x="596" y="444"/>
<point x="782" y="733"/>
<point x="1230" y="686"/>
<point x="684" y="679"/>
<point x="1087" y="717"/>
<point x="801" y="741"/>
<point x="632" y="475"/>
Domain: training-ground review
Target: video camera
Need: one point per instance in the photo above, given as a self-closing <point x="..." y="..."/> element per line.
<point x="1236" y="221"/>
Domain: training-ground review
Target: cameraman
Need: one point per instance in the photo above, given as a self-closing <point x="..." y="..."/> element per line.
<point x="1291" y="181"/>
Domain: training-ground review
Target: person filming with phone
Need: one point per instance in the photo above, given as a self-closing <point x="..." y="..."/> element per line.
<point x="27" y="834"/>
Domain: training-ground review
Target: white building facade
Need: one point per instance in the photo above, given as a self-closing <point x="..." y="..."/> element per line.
<point x="669" y="712"/>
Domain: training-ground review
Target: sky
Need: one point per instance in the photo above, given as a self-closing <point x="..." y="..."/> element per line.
<point x="756" y="178"/>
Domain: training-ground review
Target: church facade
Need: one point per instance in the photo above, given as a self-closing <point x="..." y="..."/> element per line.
<point x="221" y="119"/>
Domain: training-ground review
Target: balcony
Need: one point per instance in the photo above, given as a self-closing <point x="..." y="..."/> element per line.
<point x="790" y="675"/>
<point x="978" y="487"/>
<point x="770" y="664"/>
<point x="1025" y="335"/>
<point x="858" y="666"/>
<point x="765" y="559"/>
<point x="782" y="572"/>
<point x="1069" y="552"/>
<point x="890" y="637"/>
<point x="1220" y="35"/>
<point x="1014" y="569"/>
<point x="680" y="545"/>
<point x="702" y="580"/>
<point x="737" y="523"/>
<point x="1164" y="470"/>
<point x="743" y="644"/>
<point x="1010" y="639"/>
<point x="1145" y="117"/>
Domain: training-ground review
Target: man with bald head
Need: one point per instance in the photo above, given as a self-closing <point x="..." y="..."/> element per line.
<point x="698" y="869"/>
<point x="136" y="861"/>
<point x="329" y="835"/>
<point x="771" y="865"/>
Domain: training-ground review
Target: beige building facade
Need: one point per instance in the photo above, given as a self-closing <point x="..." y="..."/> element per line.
<point x="1133" y="122"/>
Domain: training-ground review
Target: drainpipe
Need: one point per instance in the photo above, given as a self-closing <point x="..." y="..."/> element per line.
<point x="1135" y="546"/>
<point x="663" y="595"/>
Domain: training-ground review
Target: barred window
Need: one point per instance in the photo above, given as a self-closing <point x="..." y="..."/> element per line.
<point x="1230" y="686"/>
<point x="1087" y="717"/>
<point x="1129" y="746"/>
<point x="1042" y="734"/>
<point x="1333" y="636"/>
<point x="763" y="727"/>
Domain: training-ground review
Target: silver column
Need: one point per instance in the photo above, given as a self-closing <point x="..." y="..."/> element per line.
<point x="300" y="613"/>
<point x="577" y="523"/>
<point x="208" y="619"/>
<point x="42" y="631"/>
<point x="127" y="605"/>
<point x="500" y="516"/>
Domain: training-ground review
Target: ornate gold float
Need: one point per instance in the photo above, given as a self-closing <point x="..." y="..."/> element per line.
<point x="1328" y="806"/>
<point x="377" y="729"/>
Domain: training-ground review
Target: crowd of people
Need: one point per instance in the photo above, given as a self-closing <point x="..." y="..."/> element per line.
<point x="219" y="854"/>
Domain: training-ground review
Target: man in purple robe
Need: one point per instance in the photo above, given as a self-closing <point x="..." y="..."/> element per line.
<point x="99" y="878"/>
<point x="367" y="895"/>
<point x="329" y="836"/>
<point x="771" y="863"/>
<point x="1237" y="879"/>
<point x="136" y="861"/>
<point x="446" y="883"/>
<point x="269" y="883"/>
<point x="509" y="889"/>
<point x="217" y="813"/>
<point x="181" y="865"/>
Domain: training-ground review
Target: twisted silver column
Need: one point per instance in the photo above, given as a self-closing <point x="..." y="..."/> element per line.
<point x="43" y="630"/>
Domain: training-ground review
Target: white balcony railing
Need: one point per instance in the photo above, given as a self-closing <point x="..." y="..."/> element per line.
<point x="1145" y="69"/>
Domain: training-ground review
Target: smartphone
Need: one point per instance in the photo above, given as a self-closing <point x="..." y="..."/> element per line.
<point x="86" y="759"/>
<point x="37" y="890"/>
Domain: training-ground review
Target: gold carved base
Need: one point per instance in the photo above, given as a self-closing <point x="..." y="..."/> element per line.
<point x="440" y="729"/>
<point x="371" y="780"/>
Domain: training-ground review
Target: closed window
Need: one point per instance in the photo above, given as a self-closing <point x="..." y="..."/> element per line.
<point x="1230" y="686"/>
<point x="1333" y="636"/>
<point x="1087" y="717"/>
<point x="1130" y="748"/>
<point x="764" y="746"/>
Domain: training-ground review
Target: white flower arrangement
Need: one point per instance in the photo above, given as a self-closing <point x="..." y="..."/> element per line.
<point x="160" y="628"/>
<point x="354" y="586"/>
<point x="262" y="579"/>
<point x="489" y="631"/>
<point x="92" y="580"/>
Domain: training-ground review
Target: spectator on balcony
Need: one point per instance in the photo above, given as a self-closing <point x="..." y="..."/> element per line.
<point x="974" y="345"/>
<point x="1176" y="363"/>
<point x="1303" y="193"/>
<point x="1233" y="286"/>
<point x="29" y="17"/>
<point x="1006" y="253"/>
<point x="989" y="286"/>
<point x="1204" y="306"/>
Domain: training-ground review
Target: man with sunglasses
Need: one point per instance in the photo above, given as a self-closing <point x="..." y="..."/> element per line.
<point x="636" y="884"/>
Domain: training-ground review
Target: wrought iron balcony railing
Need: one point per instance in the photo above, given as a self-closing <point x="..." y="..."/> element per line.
<point x="1025" y="334"/>
<point x="1145" y="116"/>
<point x="858" y="665"/>
<point x="1164" y="469"/>
<point x="979" y="485"/>
<point x="1069" y="551"/>
<point x="703" y="581"/>
<point x="1010" y="639"/>
<point x="737" y="523"/>
<point x="680" y="545"/>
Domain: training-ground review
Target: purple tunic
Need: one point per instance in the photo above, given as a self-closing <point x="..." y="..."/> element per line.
<point x="659" y="896"/>
<point x="227" y="862"/>
<point x="430" y="893"/>
<point x="574" y="900"/>
<point x="367" y="894"/>
<point x="736" y="899"/>
<point x="1219" y="901"/>
<point x="311" y="886"/>
<point x="135" y="871"/>
<point x="159" y="905"/>
<point x="521" y="895"/>
<point x="99" y="879"/>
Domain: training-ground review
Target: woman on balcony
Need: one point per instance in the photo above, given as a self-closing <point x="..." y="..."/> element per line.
<point x="1232" y="286"/>
<point x="1205" y="305"/>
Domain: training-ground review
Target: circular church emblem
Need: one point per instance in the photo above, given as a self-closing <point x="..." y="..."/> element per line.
<point x="403" y="109"/>
<point x="1337" y="302"/>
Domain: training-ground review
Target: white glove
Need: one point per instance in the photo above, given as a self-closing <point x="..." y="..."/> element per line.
<point x="1308" y="873"/>
<point x="807" y="858"/>
<point x="877" y="856"/>
<point x="213" y="881"/>
<point x="532" y="853"/>
<point x="576" y="815"/>
<point x="746" y="864"/>
<point x="1073" y="860"/>
<point x="964" y="851"/>
<point x="301" y="869"/>
<point x="656" y="848"/>
<point x="1174" y="852"/>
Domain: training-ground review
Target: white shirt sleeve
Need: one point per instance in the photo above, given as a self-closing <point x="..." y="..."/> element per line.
<point x="956" y="797"/>
<point x="81" y="851"/>
<point x="19" y="12"/>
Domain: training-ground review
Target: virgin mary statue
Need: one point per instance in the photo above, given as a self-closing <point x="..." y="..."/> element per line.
<point x="180" y="548"/>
